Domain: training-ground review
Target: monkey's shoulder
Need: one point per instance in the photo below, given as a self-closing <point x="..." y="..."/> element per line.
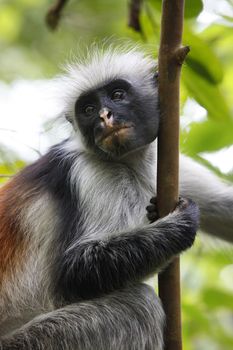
<point x="80" y="187"/>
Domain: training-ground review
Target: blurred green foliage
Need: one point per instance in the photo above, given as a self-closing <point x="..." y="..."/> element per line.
<point x="30" y="49"/>
<point x="207" y="298"/>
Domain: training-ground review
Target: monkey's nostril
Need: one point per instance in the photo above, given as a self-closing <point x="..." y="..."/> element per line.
<point x="109" y="114"/>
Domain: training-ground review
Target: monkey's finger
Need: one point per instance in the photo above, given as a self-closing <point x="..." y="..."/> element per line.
<point x="151" y="208"/>
<point x="153" y="200"/>
<point x="152" y="216"/>
<point x="182" y="203"/>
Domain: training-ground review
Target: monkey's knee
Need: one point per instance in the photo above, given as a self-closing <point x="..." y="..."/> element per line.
<point x="142" y="318"/>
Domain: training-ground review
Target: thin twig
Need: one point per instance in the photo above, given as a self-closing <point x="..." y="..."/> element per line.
<point x="54" y="14"/>
<point x="135" y="7"/>
<point x="5" y="176"/>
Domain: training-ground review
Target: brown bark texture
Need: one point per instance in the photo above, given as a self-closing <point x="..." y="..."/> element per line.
<point x="171" y="57"/>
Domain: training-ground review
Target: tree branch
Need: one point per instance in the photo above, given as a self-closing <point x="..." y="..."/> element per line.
<point x="181" y="53"/>
<point x="54" y="14"/>
<point x="134" y="15"/>
<point x="171" y="57"/>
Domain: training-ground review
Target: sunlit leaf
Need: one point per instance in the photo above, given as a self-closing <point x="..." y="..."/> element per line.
<point x="201" y="58"/>
<point x="206" y="94"/>
<point x="207" y="136"/>
<point x="193" y="8"/>
<point x="216" y="298"/>
<point x="227" y="18"/>
<point x="192" y="312"/>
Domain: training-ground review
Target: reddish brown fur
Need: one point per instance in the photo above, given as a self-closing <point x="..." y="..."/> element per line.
<point x="13" y="198"/>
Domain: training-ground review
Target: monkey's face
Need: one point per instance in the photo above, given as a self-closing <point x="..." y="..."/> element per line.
<point x="118" y="118"/>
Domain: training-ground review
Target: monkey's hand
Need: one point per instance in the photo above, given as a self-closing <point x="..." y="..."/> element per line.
<point x="185" y="219"/>
<point x="152" y="210"/>
<point x="182" y="222"/>
<point x="131" y="255"/>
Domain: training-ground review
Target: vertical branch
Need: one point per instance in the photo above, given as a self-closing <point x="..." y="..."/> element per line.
<point x="171" y="57"/>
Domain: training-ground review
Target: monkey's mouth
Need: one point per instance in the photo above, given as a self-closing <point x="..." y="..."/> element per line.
<point x="115" y="140"/>
<point x="120" y="132"/>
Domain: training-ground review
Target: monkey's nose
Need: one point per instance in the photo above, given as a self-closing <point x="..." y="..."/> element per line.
<point x="107" y="116"/>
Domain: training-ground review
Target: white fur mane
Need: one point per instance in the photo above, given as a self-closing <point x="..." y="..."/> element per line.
<point x="103" y="65"/>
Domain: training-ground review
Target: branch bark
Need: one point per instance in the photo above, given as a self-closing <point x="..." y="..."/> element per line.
<point x="54" y="14"/>
<point x="134" y="15"/>
<point x="171" y="57"/>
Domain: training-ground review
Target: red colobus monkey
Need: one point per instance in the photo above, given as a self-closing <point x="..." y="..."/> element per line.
<point x="75" y="240"/>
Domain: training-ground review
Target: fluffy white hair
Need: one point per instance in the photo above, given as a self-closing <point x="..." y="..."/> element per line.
<point x="101" y="65"/>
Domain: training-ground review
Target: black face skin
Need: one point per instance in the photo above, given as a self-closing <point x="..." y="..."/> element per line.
<point x="131" y="118"/>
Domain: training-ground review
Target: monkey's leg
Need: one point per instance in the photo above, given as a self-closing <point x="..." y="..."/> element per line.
<point x="131" y="319"/>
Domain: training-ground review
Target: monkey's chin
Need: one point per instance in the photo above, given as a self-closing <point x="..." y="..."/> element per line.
<point x="116" y="143"/>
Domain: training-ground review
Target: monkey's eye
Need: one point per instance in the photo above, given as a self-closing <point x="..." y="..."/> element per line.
<point x="89" y="110"/>
<point x="118" y="95"/>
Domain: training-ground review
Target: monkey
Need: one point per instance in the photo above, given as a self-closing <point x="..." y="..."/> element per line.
<point x="79" y="232"/>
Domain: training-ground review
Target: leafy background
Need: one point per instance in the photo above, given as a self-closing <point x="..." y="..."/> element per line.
<point x="31" y="55"/>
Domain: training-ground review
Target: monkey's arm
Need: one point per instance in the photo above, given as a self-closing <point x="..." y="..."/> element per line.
<point x="213" y="196"/>
<point x="100" y="266"/>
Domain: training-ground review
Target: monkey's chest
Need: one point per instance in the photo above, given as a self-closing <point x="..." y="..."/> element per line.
<point x="115" y="205"/>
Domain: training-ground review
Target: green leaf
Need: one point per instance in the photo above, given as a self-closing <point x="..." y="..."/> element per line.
<point x="209" y="135"/>
<point x="216" y="298"/>
<point x="206" y="94"/>
<point x="201" y="59"/>
<point x="192" y="312"/>
<point x="193" y="8"/>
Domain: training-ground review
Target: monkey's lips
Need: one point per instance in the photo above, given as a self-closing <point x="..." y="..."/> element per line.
<point x="114" y="136"/>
